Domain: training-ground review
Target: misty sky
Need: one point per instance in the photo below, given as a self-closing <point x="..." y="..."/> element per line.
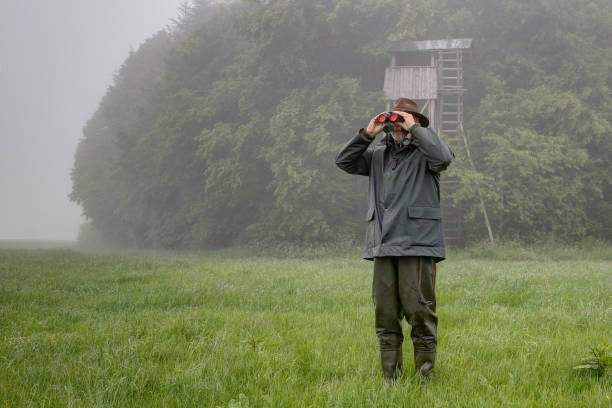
<point x="57" y="58"/>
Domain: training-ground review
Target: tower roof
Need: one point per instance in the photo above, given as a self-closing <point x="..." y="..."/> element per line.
<point x="430" y="45"/>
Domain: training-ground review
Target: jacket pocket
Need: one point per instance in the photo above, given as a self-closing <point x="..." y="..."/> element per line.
<point x="424" y="226"/>
<point x="430" y="213"/>
<point x="372" y="230"/>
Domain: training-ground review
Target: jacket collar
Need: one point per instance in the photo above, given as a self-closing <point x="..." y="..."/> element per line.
<point x="390" y="143"/>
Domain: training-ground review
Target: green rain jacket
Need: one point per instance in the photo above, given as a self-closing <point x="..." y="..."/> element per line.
<point x="404" y="216"/>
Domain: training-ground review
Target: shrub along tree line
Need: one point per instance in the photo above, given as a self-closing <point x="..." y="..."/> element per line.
<point x="223" y="127"/>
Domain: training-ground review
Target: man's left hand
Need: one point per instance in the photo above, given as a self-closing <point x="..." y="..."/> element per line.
<point x="408" y="120"/>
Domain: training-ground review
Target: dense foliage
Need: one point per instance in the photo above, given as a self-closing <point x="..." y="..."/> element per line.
<point x="223" y="128"/>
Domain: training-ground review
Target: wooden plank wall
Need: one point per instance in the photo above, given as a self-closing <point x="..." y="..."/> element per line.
<point x="418" y="82"/>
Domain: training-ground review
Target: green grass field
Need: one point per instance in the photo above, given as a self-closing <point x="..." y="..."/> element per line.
<point x="231" y="330"/>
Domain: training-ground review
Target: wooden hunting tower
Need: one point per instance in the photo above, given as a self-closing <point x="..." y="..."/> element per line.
<point x="431" y="73"/>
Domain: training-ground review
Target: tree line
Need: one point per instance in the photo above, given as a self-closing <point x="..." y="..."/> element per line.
<point x="223" y="127"/>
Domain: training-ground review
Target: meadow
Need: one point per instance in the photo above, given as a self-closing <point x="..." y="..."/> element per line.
<point x="236" y="329"/>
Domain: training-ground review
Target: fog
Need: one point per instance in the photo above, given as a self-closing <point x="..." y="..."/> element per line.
<point x="56" y="60"/>
<point x="155" y="172"/>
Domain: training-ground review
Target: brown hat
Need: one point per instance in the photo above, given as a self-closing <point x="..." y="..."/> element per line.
<point x="410" y="106"/>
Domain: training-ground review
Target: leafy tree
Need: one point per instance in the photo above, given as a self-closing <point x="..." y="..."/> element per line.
<point x="223" y="128"/>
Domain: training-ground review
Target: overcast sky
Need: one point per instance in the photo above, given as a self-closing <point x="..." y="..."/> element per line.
<point x="57" y="58"/>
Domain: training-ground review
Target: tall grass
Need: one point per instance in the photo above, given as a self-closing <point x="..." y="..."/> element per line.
<point x="232" y="329"/>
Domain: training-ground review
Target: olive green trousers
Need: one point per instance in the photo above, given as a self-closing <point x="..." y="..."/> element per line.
<point x="405" y="287"/>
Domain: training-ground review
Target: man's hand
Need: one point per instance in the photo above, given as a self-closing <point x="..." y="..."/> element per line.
<point x="375" y="127"/>
<point x="409" y="120"/>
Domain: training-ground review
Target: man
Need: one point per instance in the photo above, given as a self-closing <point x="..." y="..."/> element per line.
<point x="404" y="230"/>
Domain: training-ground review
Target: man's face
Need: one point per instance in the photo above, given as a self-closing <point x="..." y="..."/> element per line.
<point x="397" y="130"/>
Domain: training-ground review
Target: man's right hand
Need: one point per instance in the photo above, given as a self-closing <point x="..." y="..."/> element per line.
<point x="375" y="127"/>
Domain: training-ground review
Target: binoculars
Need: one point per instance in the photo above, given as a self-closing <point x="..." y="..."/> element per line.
<point x="389" y="117"/>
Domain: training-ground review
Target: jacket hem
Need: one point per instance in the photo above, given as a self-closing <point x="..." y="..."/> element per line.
<point x="439" y="254"/>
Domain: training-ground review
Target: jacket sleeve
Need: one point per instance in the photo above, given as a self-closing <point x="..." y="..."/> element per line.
<point x="355" y="157"/>
<point x="437" y="154"/>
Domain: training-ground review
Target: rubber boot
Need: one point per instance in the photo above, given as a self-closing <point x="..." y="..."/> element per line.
<point x="391" y="365"/>
<point x="424" y="364"/>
